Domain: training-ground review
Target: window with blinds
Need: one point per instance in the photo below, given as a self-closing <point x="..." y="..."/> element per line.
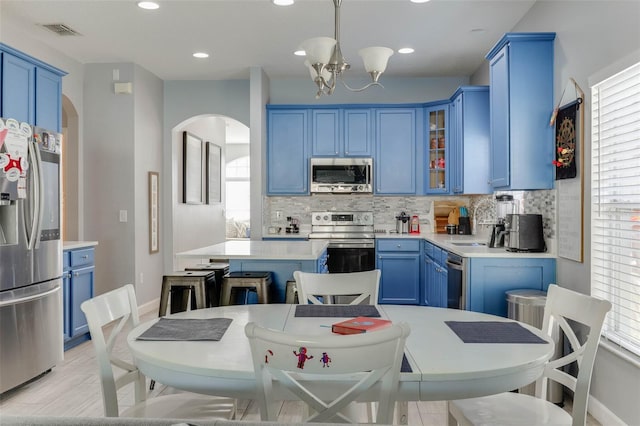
<point x="615" y="189"/>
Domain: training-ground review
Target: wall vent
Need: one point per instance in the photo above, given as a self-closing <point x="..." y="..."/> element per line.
<point x="61" y="29"/>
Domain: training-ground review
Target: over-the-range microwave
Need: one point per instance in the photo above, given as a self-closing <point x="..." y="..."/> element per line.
<point x="341" y="175"/>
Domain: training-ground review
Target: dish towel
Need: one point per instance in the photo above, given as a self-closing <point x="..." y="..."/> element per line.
<point x="187" y="329"/>
<point x="492" y="332"/>
<point x="346" y="311"/>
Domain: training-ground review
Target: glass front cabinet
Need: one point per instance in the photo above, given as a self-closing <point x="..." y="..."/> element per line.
<point x="437" y="149"/>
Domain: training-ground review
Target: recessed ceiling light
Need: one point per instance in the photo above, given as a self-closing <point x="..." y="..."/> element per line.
<point x="283" y="2"/>
<point x="149" y="5"/>
<point x="419" y="1"/>
<point x="300" y="53"/>
<point x="406" y="50"/>
<point x="200" y="55"/>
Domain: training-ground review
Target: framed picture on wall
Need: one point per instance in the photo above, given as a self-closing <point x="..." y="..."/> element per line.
<point x="214" y="189"/>
<point x="154" y="218"/>
<point x="191" y="169"/>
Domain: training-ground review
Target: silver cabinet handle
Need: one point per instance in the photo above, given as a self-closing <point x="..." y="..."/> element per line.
<point x="86" y="256"/>
<point x="76" y="274"/>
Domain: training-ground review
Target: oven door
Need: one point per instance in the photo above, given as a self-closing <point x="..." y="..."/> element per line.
<point x="350" y="256"/>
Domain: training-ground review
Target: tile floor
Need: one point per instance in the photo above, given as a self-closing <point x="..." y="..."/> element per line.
<point x="73" y="389"/>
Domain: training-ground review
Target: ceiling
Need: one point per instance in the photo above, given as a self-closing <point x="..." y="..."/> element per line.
<point x="450" y="37"/>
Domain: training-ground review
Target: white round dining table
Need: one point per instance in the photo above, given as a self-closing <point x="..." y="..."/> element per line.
<point x="443" y="366"/>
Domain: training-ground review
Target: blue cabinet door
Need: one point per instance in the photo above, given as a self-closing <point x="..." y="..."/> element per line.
<point x="489" y="278"/>
<point x="499" y="107"/>
<point x="48" y="94"/>
<point x="395" y="159"/>
<point x="287" y="160"/>
<point x="521" y="98"/>
<point x="81" y="289"/>
<point x="357" y="132"/>
<point x="325" y="133"/>
<point x="437" y="162"/>
<point x="399" y="278"/>
<point x="18" y="88"/>
<point x="469" y="134"/>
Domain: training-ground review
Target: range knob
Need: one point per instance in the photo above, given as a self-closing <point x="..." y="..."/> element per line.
<point x="318" y="217"/>
<point x="325" y="217"/>
<point x="365" y="217"/>
<point x="360" y="187"/>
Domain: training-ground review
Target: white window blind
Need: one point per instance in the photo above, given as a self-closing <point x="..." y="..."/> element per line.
<point x="615" y="189"/>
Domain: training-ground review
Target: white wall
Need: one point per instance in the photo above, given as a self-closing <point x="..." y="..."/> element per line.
<point x="590" y="36"/>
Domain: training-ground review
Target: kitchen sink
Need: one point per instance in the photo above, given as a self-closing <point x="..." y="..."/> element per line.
<point x="469" y="244"/>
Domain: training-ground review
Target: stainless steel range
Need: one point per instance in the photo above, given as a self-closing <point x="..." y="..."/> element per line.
<point x="351" y="239"/>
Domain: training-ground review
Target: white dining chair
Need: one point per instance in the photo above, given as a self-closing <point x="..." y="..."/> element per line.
<point x="119" y="309"/>
<point x="363" y="285"/>
<point x="327" y="372"/>
<point x="511" y="408"/>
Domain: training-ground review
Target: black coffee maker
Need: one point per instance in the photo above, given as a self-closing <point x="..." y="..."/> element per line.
<point x="504" y="206"/>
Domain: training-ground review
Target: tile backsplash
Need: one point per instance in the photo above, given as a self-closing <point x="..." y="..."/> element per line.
<point x="385" y="209"/>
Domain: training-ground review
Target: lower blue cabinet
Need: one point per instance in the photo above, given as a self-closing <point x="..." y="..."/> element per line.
<point x="399" y="263"/>
<point x="78" y="283"/>
<point x="434" y="288"/>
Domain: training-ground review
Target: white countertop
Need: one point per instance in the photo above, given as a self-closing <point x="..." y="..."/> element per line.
<point x="71" y="245"/>
<point x="447" y="242"/>
<point x="249" y="249"/>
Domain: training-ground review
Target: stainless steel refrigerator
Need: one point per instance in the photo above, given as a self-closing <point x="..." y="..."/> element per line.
<point x="30" y="253"/>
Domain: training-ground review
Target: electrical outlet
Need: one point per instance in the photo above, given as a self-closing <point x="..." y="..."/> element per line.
<point x="123" y="215"/>
<point x="278" y="214"/>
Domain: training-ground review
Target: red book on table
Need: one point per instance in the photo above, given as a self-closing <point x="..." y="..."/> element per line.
<point x="359" y="325"/>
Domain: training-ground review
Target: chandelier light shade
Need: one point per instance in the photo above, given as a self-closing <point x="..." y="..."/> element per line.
<point x="326" y="63"/>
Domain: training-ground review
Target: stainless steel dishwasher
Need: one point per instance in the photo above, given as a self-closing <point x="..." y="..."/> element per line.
<point x="456" y="281"/>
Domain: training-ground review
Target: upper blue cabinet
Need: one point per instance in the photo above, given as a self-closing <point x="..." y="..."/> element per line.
<point x="287" y="151"/>
<point x="395" y="147"/>
<point x="469" y="135"/>
<point x="438" y="166"/>
<point x="31" y="90"/>
<point x="341" y="132"/>
<point x="521" y="102"/>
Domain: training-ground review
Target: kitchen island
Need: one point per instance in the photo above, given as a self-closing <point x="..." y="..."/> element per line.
<point x="281" y="258"/>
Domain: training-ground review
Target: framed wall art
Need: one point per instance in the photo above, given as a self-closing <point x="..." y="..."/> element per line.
<point x="191" y="169"/>
<point x="154" y="218"/>
<point x="214" y="188"/>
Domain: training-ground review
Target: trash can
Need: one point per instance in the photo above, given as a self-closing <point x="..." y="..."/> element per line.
<point x="527" y="306"/>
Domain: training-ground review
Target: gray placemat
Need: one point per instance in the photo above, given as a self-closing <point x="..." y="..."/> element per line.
<point x="492" y="332"/>
<point x="187" y="329"/>
<point x="346" y="311"/>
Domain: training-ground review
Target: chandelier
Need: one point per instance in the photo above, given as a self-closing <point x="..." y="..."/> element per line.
<point x="326" y="63"/>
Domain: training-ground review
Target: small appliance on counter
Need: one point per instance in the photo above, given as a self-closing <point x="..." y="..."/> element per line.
<point x="294" y="225"/>
<point x="504" y="206"/>
<point x="524" y="233"/>
<point x="402" y="223"/>
<point x="414" y="226"/>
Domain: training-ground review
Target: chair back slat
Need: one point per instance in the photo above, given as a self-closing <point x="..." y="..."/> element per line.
<point x="328" y="372"/>
<point x="117" y="309"/>
<point x="364" y="285"/>
<point x="563" y="308"/>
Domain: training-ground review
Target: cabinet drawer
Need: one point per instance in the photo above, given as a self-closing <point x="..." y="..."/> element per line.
<point x="82" y="257"/>
<point x="399" y="245"/>
<point x="66" y="260"/>
<point x="428" y="249"/>
<point x="437" y="254"/>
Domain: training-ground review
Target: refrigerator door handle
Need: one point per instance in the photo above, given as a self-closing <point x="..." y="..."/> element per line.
<point x="38" y="197"/>
<point x="28" y="298"/>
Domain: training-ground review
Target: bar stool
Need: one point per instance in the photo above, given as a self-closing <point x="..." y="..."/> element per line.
<point x="291" y="293"/>
<point x="195" y="279"/>
<point x="258" y="280"/>
<point x="214" y="283"/>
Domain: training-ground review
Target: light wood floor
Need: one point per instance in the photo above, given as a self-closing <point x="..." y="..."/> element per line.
<point x="73" y="389"/>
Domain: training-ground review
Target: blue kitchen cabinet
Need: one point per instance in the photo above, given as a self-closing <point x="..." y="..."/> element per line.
<point x="437" y="162"/>
<point x="469" y="135"/>
<point x="395" y="151"/>
<point x="287" y="151"/>
<point x="434" y="287"/>
<point x="399" y="263"/>
<point x="341" y="132"/>
<point x="30" y="91"/>
<point x="78" y="285"/>
<point x="282" y="271"/>
<point x="521" y="101"/>
<point x="489" y="278"/>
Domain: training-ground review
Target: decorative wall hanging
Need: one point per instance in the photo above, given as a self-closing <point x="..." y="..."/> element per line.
<point x="154" y="218"/>
<point x="191" y="169"/>
<point x="566" y="138"/>
<point x="214" y="192"/>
